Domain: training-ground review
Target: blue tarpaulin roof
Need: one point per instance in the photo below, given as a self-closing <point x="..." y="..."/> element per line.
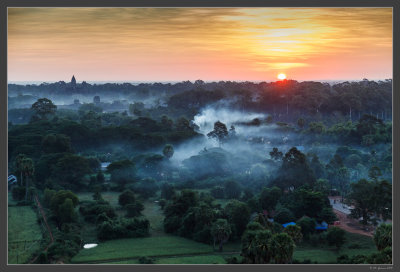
<point x="322" y="226"/>
<point x="288" y="224"/>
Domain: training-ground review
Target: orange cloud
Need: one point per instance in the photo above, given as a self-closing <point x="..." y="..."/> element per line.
<point x="161" y="44"/>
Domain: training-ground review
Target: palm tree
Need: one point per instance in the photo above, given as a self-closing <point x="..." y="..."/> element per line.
<point x="263" y="253"/>
<point x="220" y="231"/>
<point x="18" y="165"/>
<point x="28" y="169"/>
<point x="282" y="247"/>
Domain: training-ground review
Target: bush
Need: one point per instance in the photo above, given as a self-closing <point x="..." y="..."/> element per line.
<point x="172" y="224"/>
<point x="316" y="239"/>
<point x="146" y="260"/>
<point x="167" y="191"/>
<point x="48" y="194"/>
<point x="343" y="259"/>
<point x="336" y="236"/>
<point x="294" y="232"/>
<point x="284" y="216"/>
<point x="162" y="203"/>
<point x="127" y="197"/>
<point x="383" y="236"/>
<point x="42" y="258"/>
<point x="231" y="260"/>
<point x="327" y="215"/>
<point x="102" y="218"/>
<point x="18" y="193"/>
<point x="123" y="228"/>
<point x="146" y="188"/>
<point x="91" y="209"/>
<point x="232" y="190"/>
<point x="133" y="210"/>
<point x="307" y="225"/>
<point x="354" y="246"/>
<point x="217" y="192"/>
<point x="63" y="248"/>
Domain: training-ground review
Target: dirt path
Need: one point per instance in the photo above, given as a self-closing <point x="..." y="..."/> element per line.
<point x="352" y="225"/>
<point x="47" y="226"/>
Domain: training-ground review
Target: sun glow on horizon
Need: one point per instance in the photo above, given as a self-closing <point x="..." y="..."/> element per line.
<point x="281" y="76"/>
<point x="212" y="44"/>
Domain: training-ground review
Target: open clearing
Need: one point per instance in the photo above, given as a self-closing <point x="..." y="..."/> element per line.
<point x="137" y="247"/>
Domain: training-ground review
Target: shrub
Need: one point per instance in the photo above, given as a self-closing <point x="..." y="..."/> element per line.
<point x="127" y="197"/>
<point x="146" y="260"/>
<point x="284" y="216"/>
<point x="316" y="239"/>
<point x="18" y="193"/>
<point x="146" y="188"/>
<point x="383" y="236"/>
<point x="217" y="192"/>
<point x="167" y="191"/>
<point x="336" y="236"/>
<point x="294" y="232"/>
<point x="133" y="210"/>
<point x="123" y="228"/>
<point x="354" y="246"/>
<point x="307" y="225"/>
<point x="232" y="190"/>
<point x="91" y="209"/>
<point x="231" y="260"/>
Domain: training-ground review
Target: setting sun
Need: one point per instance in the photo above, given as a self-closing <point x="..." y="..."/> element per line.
<point x="281" y="76"/>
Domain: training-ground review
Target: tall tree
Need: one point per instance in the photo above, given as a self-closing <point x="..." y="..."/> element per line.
<point x="28" y="169"/>
<point x="18" y="165"/>
<point x="276" y="154"/>
<point x="269" y="197"/>
<point x="294" y="171"/>
<point x="220" y="132"/>
<point x="362" y="197"/>
<point x="238" y="214"/>
<point x="220" y="230"/>
<point x="168" y="151"/>
<point x="42" y="108"/>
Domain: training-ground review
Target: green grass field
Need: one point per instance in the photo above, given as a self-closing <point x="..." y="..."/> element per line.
<point x="325" y="254"/>
<point x="201" y="259"/>
<point x="111" y="197"/>
<point x="22" y="226"/>
<point x="138" y="247"/>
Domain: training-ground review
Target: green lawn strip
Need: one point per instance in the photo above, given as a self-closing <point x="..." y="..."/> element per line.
<point x="138" y="247"/>
<point x="202" y="259"/>
<point x="130" y="261"/>
<point x="22" y="226"/>
<point x="325" y="254"/>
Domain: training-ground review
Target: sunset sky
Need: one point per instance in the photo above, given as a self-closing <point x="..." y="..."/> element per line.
<point x="175" y="44"/>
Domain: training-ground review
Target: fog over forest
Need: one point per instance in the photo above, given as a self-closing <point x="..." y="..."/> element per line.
<point x="242" y="156"/>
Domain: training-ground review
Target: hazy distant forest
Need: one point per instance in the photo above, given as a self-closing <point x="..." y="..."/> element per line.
<point x="200" y="172"/>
